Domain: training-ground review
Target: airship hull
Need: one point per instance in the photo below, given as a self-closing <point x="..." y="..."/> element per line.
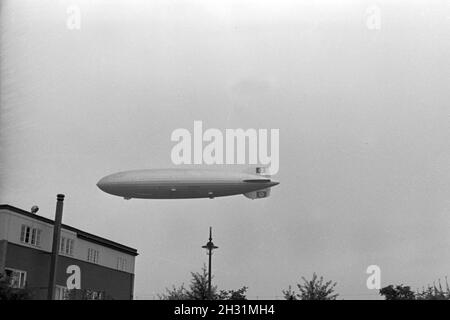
<point x="183" y="184"/>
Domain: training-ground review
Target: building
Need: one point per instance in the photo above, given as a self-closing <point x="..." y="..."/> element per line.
<point x="95" y="267"/>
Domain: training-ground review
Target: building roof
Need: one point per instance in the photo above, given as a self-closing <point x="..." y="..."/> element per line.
<point x="80" y="233"/>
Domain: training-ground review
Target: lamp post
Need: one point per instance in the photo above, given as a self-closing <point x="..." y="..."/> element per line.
<point x="209" y="247"/>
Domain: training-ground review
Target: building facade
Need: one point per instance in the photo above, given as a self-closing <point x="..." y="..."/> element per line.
<point x="89" y="266"/>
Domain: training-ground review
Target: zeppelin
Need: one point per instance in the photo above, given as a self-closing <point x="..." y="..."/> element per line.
<point x="186" y="183"/>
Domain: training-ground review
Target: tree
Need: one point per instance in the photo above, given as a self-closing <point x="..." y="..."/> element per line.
<point x="175" y="293"/>
<point x="239" y="294"/>
<point x="432" y="292"/>
<point x="198" y="290"/>
<point x="315" y="289"/>
<point x="290" y="294"/>
<point x="399" y="292"/>
<point x="435" y="292"/>
<point x="9" y="293"/>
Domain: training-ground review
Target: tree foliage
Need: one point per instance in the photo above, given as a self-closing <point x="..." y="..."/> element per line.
<point x="432" y="292"/>
<point x="239" y="294"/>
<point x="314" y="289"/>
<point x="399" y="292"/>
<point x="198" y="290"/>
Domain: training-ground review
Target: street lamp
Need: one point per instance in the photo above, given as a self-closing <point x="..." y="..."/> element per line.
<point x="209" y="247"/>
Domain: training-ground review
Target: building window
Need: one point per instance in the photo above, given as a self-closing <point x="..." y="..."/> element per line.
<point x="121" y="263"/>
<point x="33" y="236"/>
<point x="92" y="255"/>
<point x="17" y="278"/>
<point x="66" y="246"/>
<point x="62" y="245"/>
<point x="29" y="235"/>
<point x="61" y="293"/>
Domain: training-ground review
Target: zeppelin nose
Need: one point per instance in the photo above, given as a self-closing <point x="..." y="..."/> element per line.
<point x="102" y="183"/>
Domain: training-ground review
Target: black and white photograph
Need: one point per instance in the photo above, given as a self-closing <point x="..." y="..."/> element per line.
<point x="226" y="155"/>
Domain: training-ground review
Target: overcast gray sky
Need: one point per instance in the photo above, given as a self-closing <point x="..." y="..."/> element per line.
<point x="364" y="132"/>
